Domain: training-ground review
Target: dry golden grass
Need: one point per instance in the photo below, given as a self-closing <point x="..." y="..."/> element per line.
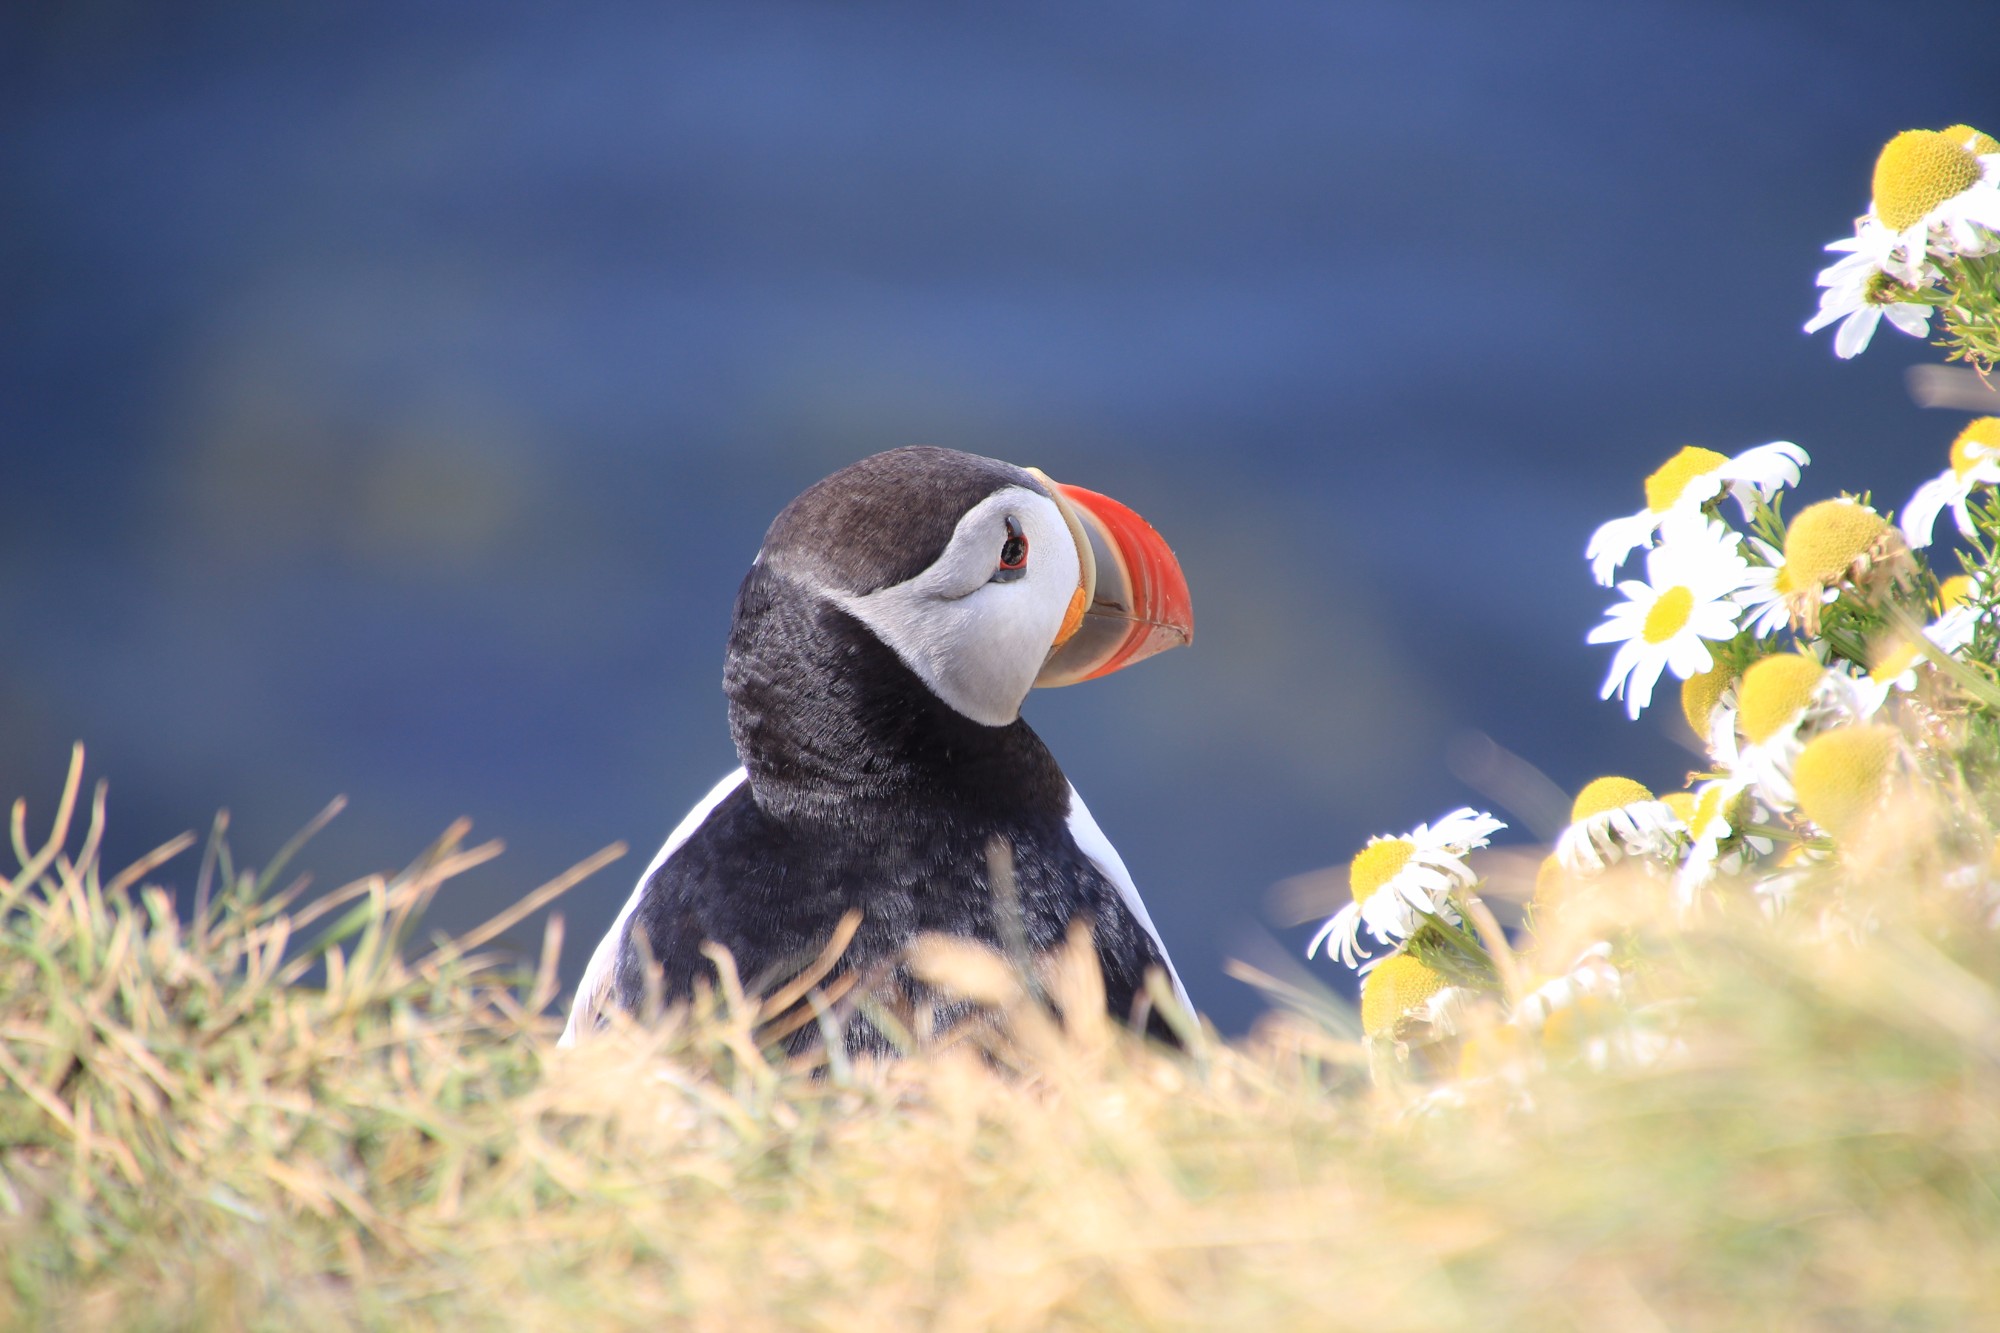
<point x="285" y="1117"/>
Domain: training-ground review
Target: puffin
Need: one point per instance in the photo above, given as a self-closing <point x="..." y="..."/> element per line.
<point x="882" y="643"/>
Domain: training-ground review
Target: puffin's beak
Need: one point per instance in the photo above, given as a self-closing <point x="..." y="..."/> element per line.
<point x="1132" y="600"/>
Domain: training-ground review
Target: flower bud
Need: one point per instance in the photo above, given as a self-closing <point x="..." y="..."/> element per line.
<point x="1701" y="692"/>
<point x="1841" y="775"/>
<point x="1607" y="794"/>
<point x="1400" y="985"/>
<point x="1775" y="690"/>
<point x="1917" y="171"/>
<point x="1825" y="540"/>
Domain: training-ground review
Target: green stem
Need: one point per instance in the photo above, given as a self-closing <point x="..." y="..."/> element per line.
<point x="1459" y="936"/>
<point x="1778" y="834"/>
<point x="1958" y="672"/>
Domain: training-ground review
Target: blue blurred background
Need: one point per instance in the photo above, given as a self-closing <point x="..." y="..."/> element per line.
<point x="391" y="401"/>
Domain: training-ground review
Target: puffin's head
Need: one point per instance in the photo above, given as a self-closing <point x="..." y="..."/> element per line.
<point x="986" y="579"/>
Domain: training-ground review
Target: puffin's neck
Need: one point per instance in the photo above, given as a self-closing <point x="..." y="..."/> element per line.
<point x="828" y="720"/>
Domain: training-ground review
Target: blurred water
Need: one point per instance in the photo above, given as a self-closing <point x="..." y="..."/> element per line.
<point x="390" y="402"/>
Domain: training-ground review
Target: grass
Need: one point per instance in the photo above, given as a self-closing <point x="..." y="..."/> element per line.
<point x="263" y="1113"/>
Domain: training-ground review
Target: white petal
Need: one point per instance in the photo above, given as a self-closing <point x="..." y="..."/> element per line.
<point x="1639" y="690"/>
<point x="1920" y="515"/>
<point x="1467" y="828"/>
<point x="1613" y="631"/>
<point x="1851" y="273"/>
<point x="1768" y="466"/>
<point x="1914" y="320"/>
<point x="1835" y="305"/>
<point x="1963" y="518"/>
<point x="1980" y="206"/>
<point x="1688" y="656"/>
<point x="1613" y="541"/>
<point x="1621" y="667"/>
<point x="1855" y="333"/>
<point x="1715" y="620"/>
<point x="1333" y="923"/>
<point x="1341" y="930"/>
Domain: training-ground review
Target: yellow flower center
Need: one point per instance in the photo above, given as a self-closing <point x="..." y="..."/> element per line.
<point x="1953" y="591"/>
<point x="1973" y="141"/>
<point x="1398" y="986"/>
<point x="1840" y="776"/>
<point x="1682" y="803"/>
<point x="1669" y="615"/>
<point x="1825" y="540"/>
<point x="1700" y="694"/>
<point x="1900" y="657"/>
<point x="1976" y="444"/>
<point x="1706" y="807"/>
<point x="1665" y="485"/>
<point x="1775" y="690"/>
<point x="1607" y="794"/>
<point x="1380" y="861"/>
<point x="1917" y="171"/>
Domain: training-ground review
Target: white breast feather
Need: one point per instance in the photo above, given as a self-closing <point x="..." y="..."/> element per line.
<point x="596" y="984"/>
<point x="1091" y="841"/>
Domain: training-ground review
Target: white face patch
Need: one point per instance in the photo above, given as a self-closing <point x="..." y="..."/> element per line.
<point x="976" y="641"/>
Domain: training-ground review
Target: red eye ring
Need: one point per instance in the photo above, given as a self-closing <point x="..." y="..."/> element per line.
<point x="1014" y="551"/>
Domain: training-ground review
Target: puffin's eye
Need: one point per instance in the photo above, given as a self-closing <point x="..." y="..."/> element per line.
<point x="1013" y="553"/>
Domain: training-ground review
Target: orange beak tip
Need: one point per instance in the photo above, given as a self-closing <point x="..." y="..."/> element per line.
<point x="1141" y="604"/>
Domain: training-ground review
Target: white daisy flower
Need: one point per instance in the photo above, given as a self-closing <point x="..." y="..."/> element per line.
<point x="1406" y="997"/>
<point x="1936" y="197"/>
<point x="1860" y="294"/>
<point x="1686" y="482"/>
<point x="1582" y="1014"/>
<point x="1723" y="808"/>
<point x="1614" y="818"/>
<point x="1843" y="776"/>
<point x="1951" y="632"/>
<point x="1687" y="597"/>
<point x="1975" y="462"/>
<point x="1398" y="881"/>
<point x="1939" y="192"/>
<point x="1826" y="545"/>
<point x="1593" y="973"/>
<point x="1785" y="700"/>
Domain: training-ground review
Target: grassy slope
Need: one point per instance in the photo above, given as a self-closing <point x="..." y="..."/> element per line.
<point x="192" y="1136"/>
